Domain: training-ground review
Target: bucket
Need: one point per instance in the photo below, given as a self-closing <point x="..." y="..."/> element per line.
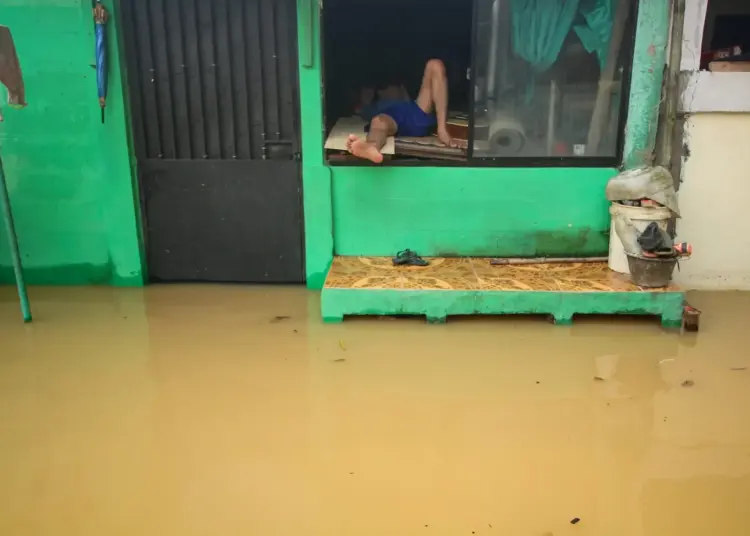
<point x="641" y="217"/>
<point x="651" y="272"/>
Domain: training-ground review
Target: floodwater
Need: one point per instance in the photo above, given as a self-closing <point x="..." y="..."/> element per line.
<point x="212" y="410"/>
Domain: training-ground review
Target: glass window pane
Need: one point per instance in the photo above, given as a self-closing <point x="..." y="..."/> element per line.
<point x="548" y="78"/>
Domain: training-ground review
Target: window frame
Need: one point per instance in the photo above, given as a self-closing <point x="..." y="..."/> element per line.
<point x="557" y="161"/>
<point x="707" y="91"/>
<point x="472" y="161"/>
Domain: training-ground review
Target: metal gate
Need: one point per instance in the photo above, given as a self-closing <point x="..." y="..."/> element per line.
<point x="213" y="89"/>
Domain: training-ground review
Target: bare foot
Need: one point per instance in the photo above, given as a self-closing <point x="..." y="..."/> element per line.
<point x="446" y="139"/>
<point x="362" y="149"/>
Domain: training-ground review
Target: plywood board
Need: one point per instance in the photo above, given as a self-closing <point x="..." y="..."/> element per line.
<point x="345" y="126"/>
<point x="729" y="66"/>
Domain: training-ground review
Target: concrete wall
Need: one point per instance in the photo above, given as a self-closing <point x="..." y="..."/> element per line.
<point x="69" y="176"/>
<point x="714" y="200"/>
<point x="715" y="179"/>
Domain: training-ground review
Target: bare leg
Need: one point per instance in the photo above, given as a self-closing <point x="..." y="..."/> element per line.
<point x="381" y="127"/>
<point x="434" y="95"/>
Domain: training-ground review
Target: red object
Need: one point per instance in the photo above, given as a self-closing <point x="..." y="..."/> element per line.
<point x="561" y="149"/>
<point x="683" y="249"/>
<point x="719" y="54"/>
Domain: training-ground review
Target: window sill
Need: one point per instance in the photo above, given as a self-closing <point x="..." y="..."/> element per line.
<point x="705" y="91"/>
<point x="506" y="162"/>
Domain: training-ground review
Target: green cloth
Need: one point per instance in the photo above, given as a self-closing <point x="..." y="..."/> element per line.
<point x="540" y="28"/>
<point x="596" y="33"/>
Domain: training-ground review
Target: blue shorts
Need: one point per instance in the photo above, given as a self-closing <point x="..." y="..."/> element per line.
<point x="410" y="119"/>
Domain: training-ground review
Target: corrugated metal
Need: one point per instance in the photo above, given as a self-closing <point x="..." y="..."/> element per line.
<point x="213" y="91"/>
<point x="212" y="79"/>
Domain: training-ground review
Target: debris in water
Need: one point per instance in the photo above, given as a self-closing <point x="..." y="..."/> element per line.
<point x="280" y="318"/>
<point x="737" y="368"/>
<point x="339" y="360"/>
<point x="598" y="378"/>
<point x="690" y="318"/>
<point x="688" y="383"/>
<point x="489" y="525"/>
<point x="341" y="345"/>
<point x="575" y="520"/>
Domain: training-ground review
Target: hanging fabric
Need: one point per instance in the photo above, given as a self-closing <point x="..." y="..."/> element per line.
<point x="596" y="33"/>
<point x="540" y="28"/>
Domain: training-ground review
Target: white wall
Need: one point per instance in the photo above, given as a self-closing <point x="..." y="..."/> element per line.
<point x="715" y="191"/>
<point x="715" y="202"/>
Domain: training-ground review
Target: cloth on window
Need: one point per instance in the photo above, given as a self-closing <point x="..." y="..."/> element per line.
<point x="596" y="33"/>
<point x="540" y="28"/>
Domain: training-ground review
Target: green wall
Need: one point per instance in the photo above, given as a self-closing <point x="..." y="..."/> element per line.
<point x="73" y="193"/>
<point x="69" y="176"/>
<point x="459" y="211"/>
<point x="466" y="211"/>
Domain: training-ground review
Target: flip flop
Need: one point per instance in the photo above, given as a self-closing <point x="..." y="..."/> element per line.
<point x="408" y="258"/>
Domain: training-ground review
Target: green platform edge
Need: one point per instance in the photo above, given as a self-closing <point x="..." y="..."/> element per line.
<point x="437" y="305"/>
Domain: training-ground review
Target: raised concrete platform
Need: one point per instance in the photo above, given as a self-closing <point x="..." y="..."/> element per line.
<point x="471" y="286"/>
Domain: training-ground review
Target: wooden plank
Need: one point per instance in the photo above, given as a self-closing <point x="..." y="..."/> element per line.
<point x="729" y="66"/>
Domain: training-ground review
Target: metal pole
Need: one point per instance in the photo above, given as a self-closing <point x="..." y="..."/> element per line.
<point x="13" y="242"/>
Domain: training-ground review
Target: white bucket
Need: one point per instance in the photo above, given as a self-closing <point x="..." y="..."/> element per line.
<point x="641" y="217"/>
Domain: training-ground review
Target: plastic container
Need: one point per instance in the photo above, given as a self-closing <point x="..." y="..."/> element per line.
<point x="641" y="217"/>
<point x="651" y="273"/>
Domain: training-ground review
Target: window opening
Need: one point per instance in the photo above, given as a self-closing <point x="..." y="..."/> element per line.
<point x="528" y="83"/>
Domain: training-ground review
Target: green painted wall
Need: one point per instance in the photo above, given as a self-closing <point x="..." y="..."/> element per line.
<point x="480" y="211"/>
<point x="649" y="60"/>
<point x="69" y="176"/>
<point x="316" y="176"/>
<point x="466" y="211"/>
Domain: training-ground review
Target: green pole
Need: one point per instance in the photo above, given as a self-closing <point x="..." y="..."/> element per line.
<point x="14" y="251"/>
<point x="649" y="60"/>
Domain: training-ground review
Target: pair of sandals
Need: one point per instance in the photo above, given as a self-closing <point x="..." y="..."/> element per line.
<point x="408" y="258"/>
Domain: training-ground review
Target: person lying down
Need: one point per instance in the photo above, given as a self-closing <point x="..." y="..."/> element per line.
<point x="394" y="113"/>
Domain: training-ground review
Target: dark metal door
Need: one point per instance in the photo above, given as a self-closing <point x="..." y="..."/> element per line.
<point x="213" y="90"/>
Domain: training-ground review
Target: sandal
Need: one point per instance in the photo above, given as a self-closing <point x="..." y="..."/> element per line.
<point x="408" y="258"/>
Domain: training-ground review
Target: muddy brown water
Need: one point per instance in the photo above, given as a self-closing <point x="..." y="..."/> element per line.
<point x="211" y="410"/>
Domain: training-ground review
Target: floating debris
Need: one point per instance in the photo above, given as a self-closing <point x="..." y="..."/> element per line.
<point x="575" y="520"/>
<point x="688" y="383"/>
